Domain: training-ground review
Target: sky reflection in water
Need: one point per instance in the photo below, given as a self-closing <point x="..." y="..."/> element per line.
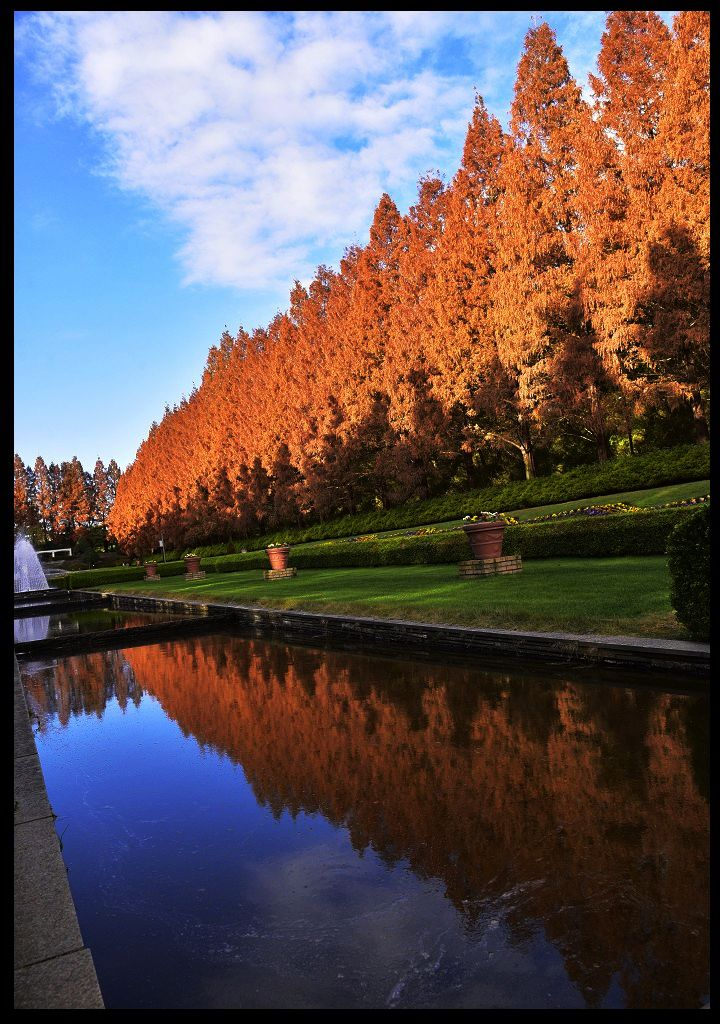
<point x="251" y="824"/>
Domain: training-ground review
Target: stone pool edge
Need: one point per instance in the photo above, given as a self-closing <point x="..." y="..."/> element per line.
<point x="637" y="652"/>
<point x="53" y="969"/>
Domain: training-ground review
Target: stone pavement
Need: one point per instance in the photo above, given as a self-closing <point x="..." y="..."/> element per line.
<point x="53" y="969"/>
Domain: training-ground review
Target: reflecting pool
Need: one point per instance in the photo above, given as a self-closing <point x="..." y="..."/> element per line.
<point x="253" y="824"/>
<point x="94" y="620"/>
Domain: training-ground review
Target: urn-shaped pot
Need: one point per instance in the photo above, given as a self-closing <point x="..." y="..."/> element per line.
<point x="486" y="539"/>
<point x="278" y="556"/>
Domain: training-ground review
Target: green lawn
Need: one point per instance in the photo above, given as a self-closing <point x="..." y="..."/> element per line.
<point x="641" y="499"/>
<point x="610" y="596"/>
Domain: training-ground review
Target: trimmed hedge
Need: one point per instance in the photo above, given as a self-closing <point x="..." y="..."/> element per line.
<point x="643" y="532"/>
<point x="688" y="551"/>
<point x="96" y="577"/>
<point x="655" y="469"/>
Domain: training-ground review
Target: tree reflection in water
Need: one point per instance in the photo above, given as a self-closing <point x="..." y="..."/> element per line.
<point x="580" y="808"/>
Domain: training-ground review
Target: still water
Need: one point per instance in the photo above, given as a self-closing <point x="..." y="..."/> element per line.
<point x="253" y="824"/>
<point x="94" y="620"/>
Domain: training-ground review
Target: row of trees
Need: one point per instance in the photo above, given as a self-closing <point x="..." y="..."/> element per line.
<point x="552" y="294"/>
<point x="62" y="503"/>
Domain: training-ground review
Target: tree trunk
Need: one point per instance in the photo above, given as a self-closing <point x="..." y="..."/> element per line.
<point x="473" y="477"/>
<point x="702" y="431"/>
<point x="599" y="425"/>
<point x="528" y="456"/>
<point x="526" y="449"/>
<point x="603" y="448"/>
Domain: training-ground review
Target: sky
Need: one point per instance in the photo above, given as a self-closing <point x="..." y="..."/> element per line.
<point x="176" y="172"/>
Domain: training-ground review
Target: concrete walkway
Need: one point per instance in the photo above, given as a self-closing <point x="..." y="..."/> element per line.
<point x="53" y="969"/>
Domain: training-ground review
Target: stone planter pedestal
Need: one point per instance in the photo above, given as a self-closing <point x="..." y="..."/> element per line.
<point x="192" y="568"/>
<point x="279" y="574"/>
<point x="491" y="566"/>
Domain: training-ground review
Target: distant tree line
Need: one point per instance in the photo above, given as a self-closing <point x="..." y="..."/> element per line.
<point x="64" y="504"/>
<point x="548" y="306"/>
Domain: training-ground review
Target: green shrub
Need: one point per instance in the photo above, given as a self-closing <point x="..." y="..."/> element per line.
<point x="643" y="532"/>
<point x="121" y="574"/>
<point x="688" y="550"/>
<point x="233" y="563"/>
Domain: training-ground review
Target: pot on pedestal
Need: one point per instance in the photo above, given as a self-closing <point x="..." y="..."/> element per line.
<point x="278" y="556"/>
<point x="486" y="539"/>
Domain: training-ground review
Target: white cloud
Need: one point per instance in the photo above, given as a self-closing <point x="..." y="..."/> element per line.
<point x="269" y="137"/>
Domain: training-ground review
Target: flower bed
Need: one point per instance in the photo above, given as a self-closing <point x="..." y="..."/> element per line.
<point x="613" y="508"/>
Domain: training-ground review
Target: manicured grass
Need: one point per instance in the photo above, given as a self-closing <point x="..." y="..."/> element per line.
<point x="641" y="499"/>
<point x="607" y="596"/>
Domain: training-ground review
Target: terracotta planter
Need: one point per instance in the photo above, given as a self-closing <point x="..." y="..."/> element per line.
<point x="486" y="539"/>
<point x="192" y="563"/>
<point x="151" y="571"/>
<point x="278" y="557"/>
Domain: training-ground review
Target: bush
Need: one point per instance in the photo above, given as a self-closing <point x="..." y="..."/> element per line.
<point x="688" y="551"/>
<point x="121" y="574"/>
<point x="643" y="532"/>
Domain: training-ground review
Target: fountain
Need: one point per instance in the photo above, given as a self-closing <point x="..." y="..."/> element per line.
<point x="29" y="630"/>
<point x="28" y="573"/>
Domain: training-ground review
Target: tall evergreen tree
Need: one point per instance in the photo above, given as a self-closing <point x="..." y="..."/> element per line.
<point x="629" y="93"/>
<point x="25" y="515"/>
<point x="534" y="310"/>
<point x="74" y="503"/>
<point x="45" y="498"/>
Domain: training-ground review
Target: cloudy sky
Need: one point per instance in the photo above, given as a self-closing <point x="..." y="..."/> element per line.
<point x="175" y="172"/>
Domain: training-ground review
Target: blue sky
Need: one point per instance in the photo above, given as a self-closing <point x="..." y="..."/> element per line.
<point x="175" y="172"/>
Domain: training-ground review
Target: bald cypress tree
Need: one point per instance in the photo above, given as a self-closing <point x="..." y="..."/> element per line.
<point x="460" y="341"/>
<point x="629" y="93"/>
<point x="678" y="286"/>
<point x="25" y="513"/>
<point x="533" y="288"/>
<point x="44" y="497"/>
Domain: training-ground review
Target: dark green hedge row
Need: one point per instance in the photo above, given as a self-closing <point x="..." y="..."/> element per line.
<point x="634" y="533"/>
<point x="121" y="574"/>
<point x="655" y="469"/>
<point x="644" y="532"/>
<point x="688" y="551"/>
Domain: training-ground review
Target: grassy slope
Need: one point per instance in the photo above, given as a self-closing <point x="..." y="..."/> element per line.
<point x="610" y="596"/>
<point x="641" y="499"/>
